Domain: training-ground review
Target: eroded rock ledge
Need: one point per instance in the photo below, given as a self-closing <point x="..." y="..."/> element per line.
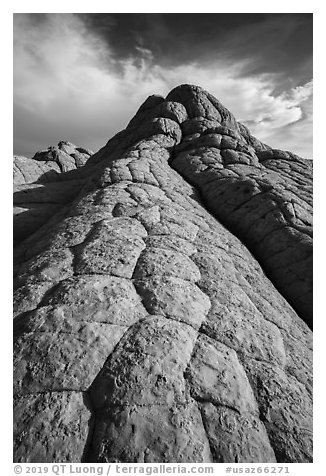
<point x="154" y="310"/>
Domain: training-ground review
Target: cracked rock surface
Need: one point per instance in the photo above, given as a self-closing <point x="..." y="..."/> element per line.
<point x="163" y="308"/>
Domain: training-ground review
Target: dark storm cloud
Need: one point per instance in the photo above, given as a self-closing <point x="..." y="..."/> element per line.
<point x="81" y="77"/>
<point x="267" y="43"/>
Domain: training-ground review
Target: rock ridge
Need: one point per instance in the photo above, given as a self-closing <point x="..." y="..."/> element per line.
<point x="161" y="312"/>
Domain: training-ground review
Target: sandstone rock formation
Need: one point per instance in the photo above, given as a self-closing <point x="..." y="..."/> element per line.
<point x="162" y="310"/>
<point x="39" y="188"/>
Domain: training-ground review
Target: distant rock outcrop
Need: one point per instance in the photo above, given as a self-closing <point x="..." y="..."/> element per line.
<point x="39" y="188"/>
<point x="162" y="309"/>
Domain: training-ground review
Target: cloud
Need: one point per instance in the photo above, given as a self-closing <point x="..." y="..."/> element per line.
<point x="285" y="121"/>
<point x="296" y="135"/>
<point x="68" y="84"/>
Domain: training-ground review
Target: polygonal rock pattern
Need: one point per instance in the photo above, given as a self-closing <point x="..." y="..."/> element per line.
<point x="163" y="303"/>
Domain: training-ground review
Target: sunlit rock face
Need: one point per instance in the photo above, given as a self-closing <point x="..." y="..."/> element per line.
<point x="163" y="306"/>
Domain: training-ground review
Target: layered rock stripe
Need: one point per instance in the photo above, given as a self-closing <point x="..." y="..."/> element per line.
<point x="163" y="313"/>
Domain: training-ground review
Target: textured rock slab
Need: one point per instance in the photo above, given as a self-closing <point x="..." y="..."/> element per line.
<point x="154" y="261"/>
<point x="174" y="298"/>
<point x="113" y="248"/>
<point x="153" y="434"/>
<point x="51" y="427"/>
<point x="51" y="265"/>
<point x="98" y="298"/>
<point x="216" y="375"/>
<point x="147" y="366"/>
<point x="56" y="351"/>
<point x="234" y="437"/>
<point x="285" y="409"/>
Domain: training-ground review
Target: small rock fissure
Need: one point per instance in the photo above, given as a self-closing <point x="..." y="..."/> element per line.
<point x="88" y="450"/>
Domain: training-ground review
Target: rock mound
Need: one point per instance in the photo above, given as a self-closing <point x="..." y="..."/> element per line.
<point x="41" y="186"/>
<point x="162" y="312"/>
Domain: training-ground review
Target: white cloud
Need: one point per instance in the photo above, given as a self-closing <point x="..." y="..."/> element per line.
<point x="67" y="85"/>
<point x="288" y="125"/>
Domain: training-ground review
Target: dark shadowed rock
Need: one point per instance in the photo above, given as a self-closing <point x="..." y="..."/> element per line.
<point x="163" y="304"/>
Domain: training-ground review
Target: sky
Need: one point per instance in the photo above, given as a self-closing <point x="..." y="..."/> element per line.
<point x="81" y="77"/>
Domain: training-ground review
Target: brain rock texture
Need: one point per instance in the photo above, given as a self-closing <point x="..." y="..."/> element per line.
<point x="163" y="294"/>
